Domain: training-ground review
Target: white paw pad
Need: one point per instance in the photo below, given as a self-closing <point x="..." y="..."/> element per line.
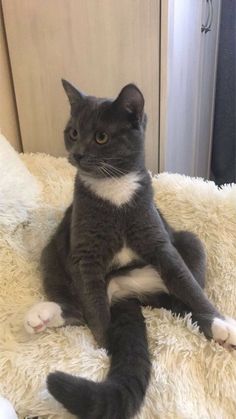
<point x="43" y="315"/>
<point x="224" y="332"/>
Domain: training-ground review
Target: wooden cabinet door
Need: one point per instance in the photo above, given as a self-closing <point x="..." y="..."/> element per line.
<point x="98" y="45"/>
<point x="8" y="115"/>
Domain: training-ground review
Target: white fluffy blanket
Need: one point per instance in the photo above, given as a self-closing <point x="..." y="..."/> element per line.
<point x="192" y="378"/>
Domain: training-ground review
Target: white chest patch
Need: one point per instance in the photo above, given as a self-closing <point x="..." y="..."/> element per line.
<point x="118" y="191"/>
<point x="124" y="257"/>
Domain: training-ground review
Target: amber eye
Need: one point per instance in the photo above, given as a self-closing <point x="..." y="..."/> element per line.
<point x="73" y="133"/>
<point x="101" y="137"/>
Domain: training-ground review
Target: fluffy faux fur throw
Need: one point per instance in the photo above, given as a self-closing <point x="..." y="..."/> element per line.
<point x="192" y="378"/>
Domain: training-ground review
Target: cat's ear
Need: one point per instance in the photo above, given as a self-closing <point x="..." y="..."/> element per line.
<point x="74" y="95"/>
<point x="131" y="99"/>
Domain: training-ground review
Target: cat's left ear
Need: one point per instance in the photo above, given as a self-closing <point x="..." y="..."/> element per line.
<point x="74" y="95"/>
<point x="131" y="99"/>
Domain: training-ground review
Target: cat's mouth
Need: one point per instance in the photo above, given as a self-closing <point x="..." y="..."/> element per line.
<point x="85" y="166"/>
<point x="95" y="168"/>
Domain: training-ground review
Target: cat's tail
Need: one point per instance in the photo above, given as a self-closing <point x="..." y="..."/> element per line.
<point x="120" y="396"/>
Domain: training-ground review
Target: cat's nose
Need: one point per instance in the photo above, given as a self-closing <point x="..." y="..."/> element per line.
<point x="78" y="157"/>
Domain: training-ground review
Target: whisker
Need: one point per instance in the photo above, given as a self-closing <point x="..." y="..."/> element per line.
<point x="101" y="170"/>
<point x="114" y="169"/>
<point x="108" y="172"/>
<point x="105" y="171"/>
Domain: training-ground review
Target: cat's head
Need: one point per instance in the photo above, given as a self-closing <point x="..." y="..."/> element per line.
<point x="105" y="137"/>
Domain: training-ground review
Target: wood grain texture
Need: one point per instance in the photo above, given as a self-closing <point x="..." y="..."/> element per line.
<point x="99" y="45"/>
<point x="8" y="115"/>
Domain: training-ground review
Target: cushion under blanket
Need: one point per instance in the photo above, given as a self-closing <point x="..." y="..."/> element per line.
<point x="192" y="378"/>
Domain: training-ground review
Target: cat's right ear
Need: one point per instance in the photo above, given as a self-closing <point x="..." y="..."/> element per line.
<point x="131" y="100"/>
<point x="74" y="95"/>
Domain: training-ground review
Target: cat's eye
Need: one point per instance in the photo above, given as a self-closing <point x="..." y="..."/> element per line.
<point x="101" y="137"/>
<point x="73" y="133"/>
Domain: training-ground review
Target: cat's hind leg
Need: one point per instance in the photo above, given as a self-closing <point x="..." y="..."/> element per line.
<point x="192" y="252"/>
<point x="222" y="330"/>
<point x="63" y="306"/>
<point x="184" y="278"/>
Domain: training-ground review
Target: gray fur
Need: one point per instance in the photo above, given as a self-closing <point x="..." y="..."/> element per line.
<point x="77" y="261"/>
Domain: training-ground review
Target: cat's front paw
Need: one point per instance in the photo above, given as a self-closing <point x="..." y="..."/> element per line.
<point x="43" y="315"/>
<point x="224" y="332"/>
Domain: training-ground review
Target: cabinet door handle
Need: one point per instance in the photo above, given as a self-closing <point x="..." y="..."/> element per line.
<point x="207" y="26"/>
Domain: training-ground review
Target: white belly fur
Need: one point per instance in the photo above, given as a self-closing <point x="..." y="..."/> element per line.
<point x="124" y="257"/>
<point x="139" y="282"/>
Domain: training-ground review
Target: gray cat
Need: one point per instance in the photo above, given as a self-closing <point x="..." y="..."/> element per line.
<point x="113" y="246"/>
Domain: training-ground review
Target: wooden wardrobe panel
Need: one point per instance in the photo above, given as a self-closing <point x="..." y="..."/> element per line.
<point x="8" y="115"/>
<point x="99" y="45"/>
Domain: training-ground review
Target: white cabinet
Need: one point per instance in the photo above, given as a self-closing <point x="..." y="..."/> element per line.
<point x="190" y="57"/>
<point x="206" y="97"/>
